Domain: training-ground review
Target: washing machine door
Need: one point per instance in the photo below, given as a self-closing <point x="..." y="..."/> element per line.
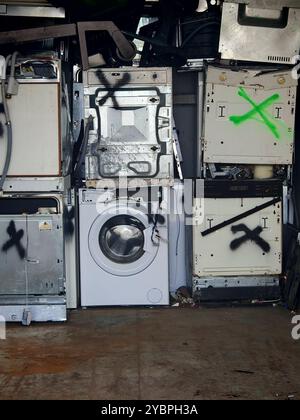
<point x="121" y="241"/>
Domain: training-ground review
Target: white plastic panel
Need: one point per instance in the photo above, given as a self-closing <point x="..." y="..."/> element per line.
<point x="212" y="253"/>
<point x="249" y="118"/>
<point x="35" y="116"/>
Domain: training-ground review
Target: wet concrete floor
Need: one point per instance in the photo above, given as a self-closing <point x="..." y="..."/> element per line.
<point x="180" y="354"/>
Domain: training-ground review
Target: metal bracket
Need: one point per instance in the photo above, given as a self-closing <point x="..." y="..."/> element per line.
<point x="177" y="151"/>
<point x="38" y="34"/>
<point x="126" y="49"/>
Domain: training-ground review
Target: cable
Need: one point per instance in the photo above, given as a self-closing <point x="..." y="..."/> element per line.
<point x="26" y="263"/>
<point x="178" y="221"/>
<point x="82" y="152"/>
<point x="12" y="84"/>
<point x="199" y="21"/>
<point x="6" y="110"/>
<point x="195" y="32"/>
<point x="178" y="235"/>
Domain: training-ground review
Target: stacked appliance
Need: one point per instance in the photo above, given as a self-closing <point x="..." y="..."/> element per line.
<point x="132" y="124"/>
<point x="128" y="156"/>
<point x="36" y="151"/>
<point x="247" y="153"/>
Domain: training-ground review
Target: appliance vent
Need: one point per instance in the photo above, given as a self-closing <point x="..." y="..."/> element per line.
<point x="278" y="59"/>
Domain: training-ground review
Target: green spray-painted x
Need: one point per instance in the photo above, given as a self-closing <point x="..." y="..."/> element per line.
<point x="257" y="109"/>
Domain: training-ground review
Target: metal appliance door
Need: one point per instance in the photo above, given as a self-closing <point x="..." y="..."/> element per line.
<point x="31" y="255"/>
<point x="121" y="242"/>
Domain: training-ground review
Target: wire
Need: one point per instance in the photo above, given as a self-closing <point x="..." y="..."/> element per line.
<point x="190" y="22"/>
<point x="178" y="221"/>
<point x="178" y="235"/>
<point x="195" y="32"/>
<point x="83" y="149"/>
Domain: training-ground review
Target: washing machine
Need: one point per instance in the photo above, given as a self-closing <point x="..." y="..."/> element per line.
<point x="123" y="248"/>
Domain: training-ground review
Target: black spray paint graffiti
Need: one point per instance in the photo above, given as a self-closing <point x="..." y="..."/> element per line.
<point x="1" y="125"/>
<point x="15" y="240"/>
<point x="250" y="235"/>
<point x="112" y="89"/>
<point x="69" y="221"/>
<point x="94" y="103"/>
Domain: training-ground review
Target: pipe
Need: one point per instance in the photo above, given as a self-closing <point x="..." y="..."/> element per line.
<point x="9" y="129"/>
<point x="9" y="139"/>
<point x="12" y="85"/>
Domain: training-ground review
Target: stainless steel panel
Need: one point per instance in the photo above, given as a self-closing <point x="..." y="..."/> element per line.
<point x="128" y="77"/>
<point x="32" y="300"/>
<point x="33" y="264"/>
<point x="39" y="313"/>
<point x="133" y="132"/>
<point x="256" y="42"/>
<point x="36" y="185"/>
<point x="220" y="282"/>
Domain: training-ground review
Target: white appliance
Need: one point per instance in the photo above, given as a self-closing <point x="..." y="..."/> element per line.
<point x="123" y="250"/>
<point x="249" y="117"/>
<point x="249" y="246"/>
<point x="42" y="145"/>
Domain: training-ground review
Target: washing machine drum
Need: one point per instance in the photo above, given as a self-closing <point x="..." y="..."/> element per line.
<point x="121" y="242"/>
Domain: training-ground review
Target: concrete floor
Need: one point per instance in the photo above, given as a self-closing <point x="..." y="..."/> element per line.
<point x="223" y="353"/>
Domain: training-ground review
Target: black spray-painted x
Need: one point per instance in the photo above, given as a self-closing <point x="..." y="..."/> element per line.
<point x="112" y="89"/>
<point x="15" y="240"/>
<point x="250" y="235"/>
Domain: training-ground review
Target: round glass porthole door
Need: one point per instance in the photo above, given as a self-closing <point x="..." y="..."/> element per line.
<point x="121" y="239"/>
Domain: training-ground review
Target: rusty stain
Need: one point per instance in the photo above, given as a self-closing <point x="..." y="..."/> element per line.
<point x="133" y="354"/>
